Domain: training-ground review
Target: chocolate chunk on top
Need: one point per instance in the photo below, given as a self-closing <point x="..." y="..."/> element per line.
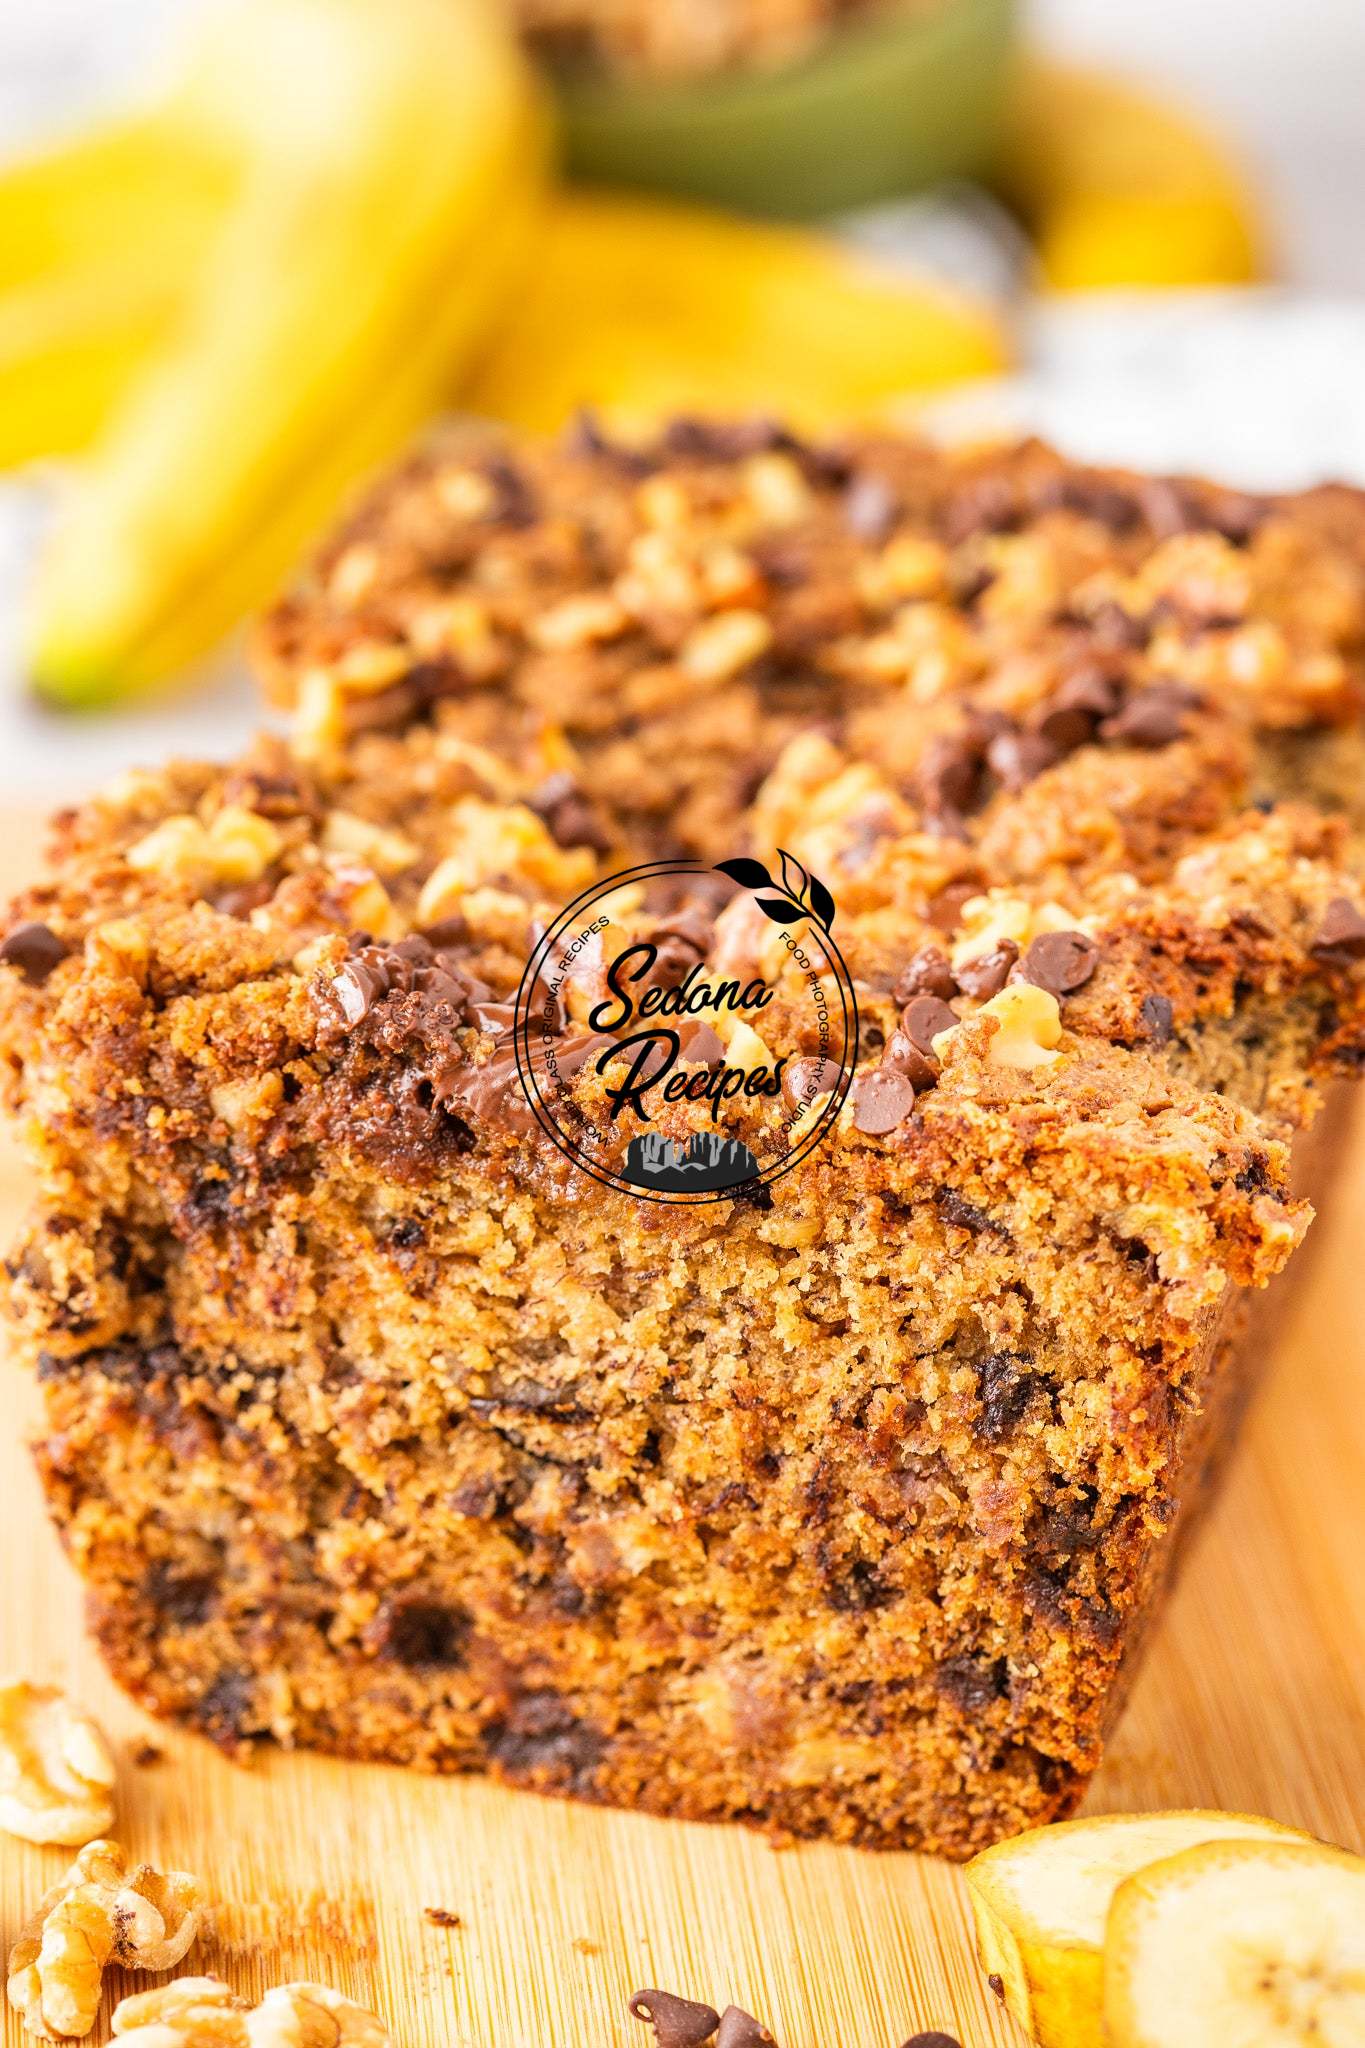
<point x="1060" y="962"/>
<point x="1151" y="718"/>
<point x="987" y="974"/>
<point x="1341" y="935"/>
<point x="882" y="1099"/>
<point x="677" y="2022"/>
<point x="1158" y="1018"/>
<point x="905" y="1057"/>
<point x="1018" y="758"/>
<point x="35" y="949"/>
<point x="925" y="973"/>
<point x="805" y="1079"/>
<point x="923" y="1018"/>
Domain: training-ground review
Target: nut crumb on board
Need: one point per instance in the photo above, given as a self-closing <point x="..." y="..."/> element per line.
<point x="56" y="1772"/>
<point x="194" y="2011"/>
<point x="441" y="1916"/>
<point x="103" y="1911"/>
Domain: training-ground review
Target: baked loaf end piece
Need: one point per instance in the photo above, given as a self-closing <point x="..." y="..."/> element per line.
<point x="373" y="1424"/>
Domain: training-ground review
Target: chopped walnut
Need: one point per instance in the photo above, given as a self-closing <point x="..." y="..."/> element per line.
<point x="997" y="915"/>
<point x="237" y="846"/>
<point x="202" y="2012"/>
<point x="386" y="851"/>
<point x="492" y="841"/>
<point x="56" y="1772"/>
<point x="102" y="1912"/>
<point x="723" y="645"/>
<point x="1030" y="1026"/>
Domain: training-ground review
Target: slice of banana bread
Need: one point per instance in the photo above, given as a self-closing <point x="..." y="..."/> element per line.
<point x="839" y="1503"/>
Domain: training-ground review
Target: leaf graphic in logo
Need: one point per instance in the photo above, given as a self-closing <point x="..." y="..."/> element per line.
<point x="821" y="902"/>
<point x="750" y="874"/>
<point x="795" y="880"/>
<point x="779" y="909"/>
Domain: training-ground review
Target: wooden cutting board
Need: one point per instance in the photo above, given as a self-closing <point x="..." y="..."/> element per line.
<point x="1252" y="1696"/>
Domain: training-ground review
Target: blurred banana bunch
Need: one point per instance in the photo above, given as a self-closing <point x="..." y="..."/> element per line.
<point x="242" y="302"/>
<point x="649" y="308"/>
<point x="1120" y="189"/>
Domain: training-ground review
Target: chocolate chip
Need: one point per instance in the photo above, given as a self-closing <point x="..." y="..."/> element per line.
<point x="949" y="780"/>
<point x="1236" y="515"/>
<point x="997" y="1984"/>
<point x="741" y="2030"/>
<point x="1004" y="1386"/>
<point x="987" y="504"/>
<point x="703" y="1048"/>
<point x="585" y="440"/>
<point x="1151" y="718"/>
<point x="926" y="973"/>
<point x="987" y="974"/>
<point x="543" y="1742"/>
<point x="35" y="950"/>
<point x="567" y="815"/>
<point x="903" y="1056"/>
<point x="933" y="2040"/>
<point x="972" y="1683"/>
<point x="882" y="1099"/>
<point x="422" y="1635"/>
<point x="1073" y="713"/>
<point x="944" y="910"/>
<point x="411" y="966"/>
<point x="954" y="1209"/>
<point x="1059" y="962"/>
<point x="1113" y="627"/>
<point x="1165" y="506"/>
<point x="681" y="942"/>
<point x="677" y="2022"/>
<point x="871" y="508"/>
<point x="1018" y="758"/>
<point x="516" y="503"/>
<point x="1341" y="935"/>
<point x="805" y="1079"/>
<point x="923" y="1018"/>
<point x="1158" y="1018"/>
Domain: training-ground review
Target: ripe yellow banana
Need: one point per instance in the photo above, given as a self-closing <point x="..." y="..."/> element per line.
<point x="1121" y="190"/>
<point x="98" y="238"/>
<point x="1041" y="1900"/>
<point x="394" y="155"/>
<point x="641" y="307"/>
<point x="1238" y="1945"/>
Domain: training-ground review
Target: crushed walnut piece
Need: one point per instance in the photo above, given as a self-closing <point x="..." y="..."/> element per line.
<point x="56" y="1772"/>
<point x="101" y="1912"/>
<point x="203" y="2012"/>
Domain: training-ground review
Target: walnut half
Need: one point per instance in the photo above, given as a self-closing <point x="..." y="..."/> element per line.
<point x="201" y="2012"/>
<point x="56" y="1773"/>
<point x="102" y="1912"/>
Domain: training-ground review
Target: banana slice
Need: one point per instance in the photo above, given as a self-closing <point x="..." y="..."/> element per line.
<point x="1261" y="1944"/>
<point x="1041" y="1900"/>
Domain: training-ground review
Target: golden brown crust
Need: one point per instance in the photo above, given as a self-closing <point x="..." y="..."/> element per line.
<point x="374" y="1424"/>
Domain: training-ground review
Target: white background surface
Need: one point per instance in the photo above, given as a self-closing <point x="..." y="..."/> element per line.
<point x="1266" y="389"/>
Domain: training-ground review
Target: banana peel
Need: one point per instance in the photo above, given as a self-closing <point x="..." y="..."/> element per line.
<point x="1119" y="189"/>
<point x="640" y="307"/>
<point x="395" y="155"/>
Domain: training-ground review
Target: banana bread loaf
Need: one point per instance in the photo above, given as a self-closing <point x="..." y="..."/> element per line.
<point x="839" y="1500"/>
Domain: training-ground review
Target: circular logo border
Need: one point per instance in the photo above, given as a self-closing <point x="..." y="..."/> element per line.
<point x="524" y="1015"/>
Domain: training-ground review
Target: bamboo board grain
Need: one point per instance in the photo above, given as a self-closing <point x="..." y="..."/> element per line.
<point x="1252" y="1696"/>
